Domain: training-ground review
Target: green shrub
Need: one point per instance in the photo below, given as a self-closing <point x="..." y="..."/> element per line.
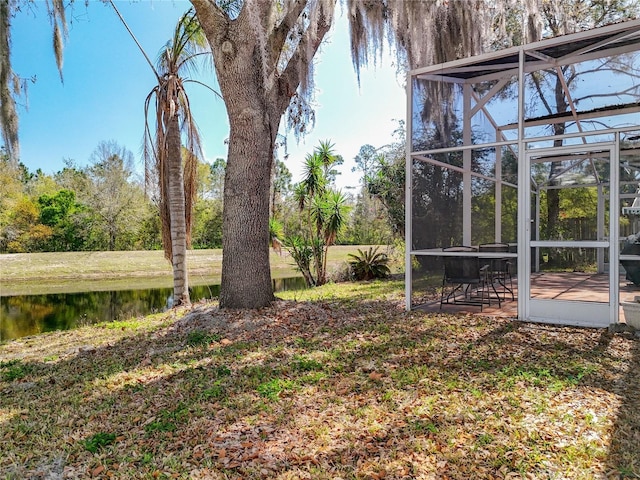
<point x="222" y="371"/>
<point x="200" y="338"/>
<point x="273" y="388"/>
<point x="304" y="364"/>
<point x="168" y="420"/>
<point x="217" y="390"/>
<point x="160" y="426"/>
<point x="369" y="265"/>
<point x="13" y="370"/>
<point x="98" y="441"/>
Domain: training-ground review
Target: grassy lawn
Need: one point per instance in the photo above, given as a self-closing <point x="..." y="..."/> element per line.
<point x="337" y="382"/>
<point x="68" y="272"/>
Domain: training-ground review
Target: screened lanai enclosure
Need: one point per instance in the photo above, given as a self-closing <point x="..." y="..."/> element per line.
<point x="523" y="179"/>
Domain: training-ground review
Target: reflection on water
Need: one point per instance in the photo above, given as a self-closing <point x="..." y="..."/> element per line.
<point x="24" y="315"/>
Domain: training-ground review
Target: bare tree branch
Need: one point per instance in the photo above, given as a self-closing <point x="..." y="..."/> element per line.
<point x="290" y="78"/>
<point x="279" y="36"/>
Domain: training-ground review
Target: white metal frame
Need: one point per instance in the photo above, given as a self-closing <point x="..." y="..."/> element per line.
<point x="585" y="314"/>
<point x="530" y="58"/>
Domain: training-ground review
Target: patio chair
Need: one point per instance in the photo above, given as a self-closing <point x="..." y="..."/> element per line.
<point x="499" y="268"/>
<point x="469" y="282"/>
<point x="631" y="267"/>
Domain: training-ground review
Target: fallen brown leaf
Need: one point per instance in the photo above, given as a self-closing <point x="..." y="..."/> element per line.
<point x="97" y="471"/>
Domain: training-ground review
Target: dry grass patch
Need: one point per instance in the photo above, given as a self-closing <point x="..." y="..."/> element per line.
<point x="339" y="382"/>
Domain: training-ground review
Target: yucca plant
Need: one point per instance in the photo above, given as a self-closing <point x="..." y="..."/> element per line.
<point x="369" y="265"/>
<point x="302" y="254"/>
<point x="276" y="234"/>
<point x="326" y="214"/>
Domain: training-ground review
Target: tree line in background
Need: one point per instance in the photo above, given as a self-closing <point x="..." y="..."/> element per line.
<point x="107" y="205"/>
<point x="262" y="63"/>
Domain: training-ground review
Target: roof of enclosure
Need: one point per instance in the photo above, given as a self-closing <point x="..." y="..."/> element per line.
<point x="610" y="40"/>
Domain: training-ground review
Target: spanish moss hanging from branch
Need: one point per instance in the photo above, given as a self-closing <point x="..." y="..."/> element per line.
<point x="431" y="32"/>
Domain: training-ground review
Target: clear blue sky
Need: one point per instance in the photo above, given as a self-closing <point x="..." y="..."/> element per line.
<point x="106" y="80"/>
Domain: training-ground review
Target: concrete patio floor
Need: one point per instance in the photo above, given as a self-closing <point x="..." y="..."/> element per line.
<point x="591" y="287"/>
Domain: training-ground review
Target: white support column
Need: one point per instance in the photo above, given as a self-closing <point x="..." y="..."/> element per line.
<point x="524" y="204"/>
<point x="466" y="165"/>
<point x="408" y="235"/>
<point x="498" y="191"/>
<point x="614" y="232"/>
<point x="536" y="224"/>
<point x="600" y="219"/>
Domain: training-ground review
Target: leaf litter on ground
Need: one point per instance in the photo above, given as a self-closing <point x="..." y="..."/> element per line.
<point x="336" y="382"/>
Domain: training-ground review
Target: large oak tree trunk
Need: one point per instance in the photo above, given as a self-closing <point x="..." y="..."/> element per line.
<point x="254" y="117"/>
<point x="247" y="51"/>
<point x="246" y="274"/>
<point x="177" y="216"/>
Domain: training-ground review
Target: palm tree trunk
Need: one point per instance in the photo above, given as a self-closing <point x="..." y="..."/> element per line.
<point x="177" y="214"/>
<point x="314" y="239"/>
<point x="323" y="279"/>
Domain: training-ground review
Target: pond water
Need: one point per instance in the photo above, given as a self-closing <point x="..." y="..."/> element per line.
<point x="23" y="315"/>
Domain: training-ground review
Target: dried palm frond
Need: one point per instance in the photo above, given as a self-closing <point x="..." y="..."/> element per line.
<point x="176" y="58"/>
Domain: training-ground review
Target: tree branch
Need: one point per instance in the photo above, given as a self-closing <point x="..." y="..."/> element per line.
<point x="305" y="51"/>
<point x="536" y="83"/>
<point x="279" y="36"/>
<point x="629" y="91"/>
<point x="209" y="12"/>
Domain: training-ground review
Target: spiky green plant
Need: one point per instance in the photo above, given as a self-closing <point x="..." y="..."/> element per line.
<point x="326" y="214"/>
<point x="302" y="254"/>
<point x="276" y="234"/>
<point x="369" y="265"/>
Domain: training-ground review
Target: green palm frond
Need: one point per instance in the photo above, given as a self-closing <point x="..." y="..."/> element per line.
<point x="188" y="42"/>
<point x="317" y="211"/>
<point x="276" y="230"/>
<point x="369" y="265"/>
<point x="314" y="180"/>
<point x="300" y="195"/>
<point x="326" y="153"/>
<point x="335" y="215"/>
